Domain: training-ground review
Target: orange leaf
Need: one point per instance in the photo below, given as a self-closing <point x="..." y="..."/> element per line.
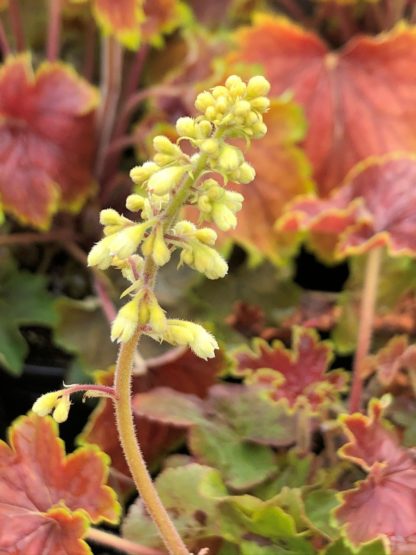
<point x="46" y="140"/>
<point x="282" y="172"/>
<point x="47" y="499"/>
<point x="388" y="493"/>
<point x="358" y="101"/>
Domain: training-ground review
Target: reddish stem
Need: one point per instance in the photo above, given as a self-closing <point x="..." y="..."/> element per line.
<point x="365" y="324"/>
<point x="112" y="65"/>
<point x="54" y="29"/>
<point x="16" y="25"/>
<point x="4" y="43"/>
<point x="107" y="304"/>
<point x="111" y="540"/>
<point x="107" y="390"/>
<point x="89" y="49"/>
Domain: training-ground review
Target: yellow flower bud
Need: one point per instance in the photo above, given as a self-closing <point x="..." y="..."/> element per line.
<point x="206" y="235"/>
<point x="222" y="104"/>
<point x="126" y="321"/>
<point x="165" y="146"/>
<point x="230" y="158"/>
<point x="135" y="203"/>
<point x="223" y="217"/>
<point x="209" y="146"/>
<point x="204" y="129"/>
<point x="157" y="318"/>
<point x="160" y="251"/>
<point x="125" y="242"/>
<point x="242" y="108"/>
<point x="60" y="414"/>
<point x="209" y="262"/>
<point x="140" y="174"/>
<point x="211" y="113"/>
<point x="204" y="344"/>
<point x="246" y="173"/>
<point x="184" y="228"/>
<point x="181" y="332"/>
<point x="203" y="100"/>
<point x="259" y="130"/>
<point x="219" y="90"/>
<point x="144" y="311"/>
<point x="166" y="179"/>
<point x="186" y="127"/>
<point x="111" y="217"/>
<point x="100" y="254"/>
<point x="164" y="159"/>
<point x="258" y="86"/>
<point x="261" y="104"/>
<point x="46" y="403"/>
<point x="204" y="203"/>
<point x="236" y="86"/>
<point x="147" y="246"/>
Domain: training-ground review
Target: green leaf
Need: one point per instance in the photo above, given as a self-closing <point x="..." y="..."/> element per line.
<point x="190" y="494"/>
<point x="24" y="301"/>
<point x="341" y="548"/>
<point x="242" y="464"/>
<point x="284" y="546"/>
<point x="319" y="505"/>
<point x="83" y="330"/>
<point x="170" y="407"/>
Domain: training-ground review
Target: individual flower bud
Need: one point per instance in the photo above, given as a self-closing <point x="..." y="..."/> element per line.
<point x="147" y="246"/>
<point x="157" y="318"/>
<point x="45" y="404"/>
<point x="111" y="217"/>
<point x="259" y="130"/>
<point x="242" y="108"/>
<point x="135" y="203"/>
<point x="166" y="179"/>
<point x="187" y="257"/>
<point x="219" y="90"/>
<point x="100" y="254"/>
<point x="235" y="85"/>
<point x="203" y="100"/>
<point x="222" y="103"/>
<point x="184" y="228"/>
<point x="181" y="332"/>
<point x="261" y="104"/>
<point x="139" y="174"/>
<point x="125" y="242"/>
<point x="160" y="251"/>
<point x="204" y="344"/>
<point x="209" y="146"/>
<point x="233" y="200"/>
<point x="165" y="146"/>
<point x="164" y="159"/>
<point x="204" y="203"/>
<point x="223" y="217"/>
<point x="185" y="127"/>
<point x="258" y="86"/>
<point x="209" y="262"/>
<point x="60" y="414"/>
<point x="144" y="310"/>
<point x="126" y="321"/>
<point x="230" y="158"/>
<point x="211" y="113"/>
<point x="130" y="268"/>
<point x="204" y="129"/>
<point x="252" y="118"/>
<point x="206" y="235"/>
<point x="246" y="173"/>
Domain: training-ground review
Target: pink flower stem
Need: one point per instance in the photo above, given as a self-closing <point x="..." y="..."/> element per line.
<point x="107" y="304"/>
<point x="17" y="25"/>
<point x="89" y="49"/>
<point x="4" y="43"/>
<point x="365" y="324"/>
<point x="54" y="30"/>
<point x="111" y="540"/>
<point x="105" y="389"/>
<point x="111" y="77"/>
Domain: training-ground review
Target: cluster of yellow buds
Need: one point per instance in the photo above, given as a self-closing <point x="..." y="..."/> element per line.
<point x="173" y="178"/>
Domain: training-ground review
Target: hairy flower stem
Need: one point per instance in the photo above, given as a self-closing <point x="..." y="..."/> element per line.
<point x="365" y="325"/>
<point x="122" y="386"/>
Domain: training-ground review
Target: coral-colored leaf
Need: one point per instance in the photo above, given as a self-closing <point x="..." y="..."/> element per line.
<point x="46" y="140"/>
<point x="46" y="498"/>
<point x="295" y="375"/>
<point x="374" y="207"/>
<point x="358" y="101"/>
<point x="388" y="493"/>
<point x="282" y="172"/>
<point x="184" y="372"/>
<point x="122" y="18"/>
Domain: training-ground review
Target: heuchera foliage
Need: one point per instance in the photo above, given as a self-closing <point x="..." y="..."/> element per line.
<point x="270" y="448"/>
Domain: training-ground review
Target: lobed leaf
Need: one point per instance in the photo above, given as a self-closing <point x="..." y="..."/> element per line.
<point x="358" y="101"/>
<point x="47" y="140"/>
<point x="48" y="499"/>
<point x="388" y="493"/>
<point x="295" y="376"/>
